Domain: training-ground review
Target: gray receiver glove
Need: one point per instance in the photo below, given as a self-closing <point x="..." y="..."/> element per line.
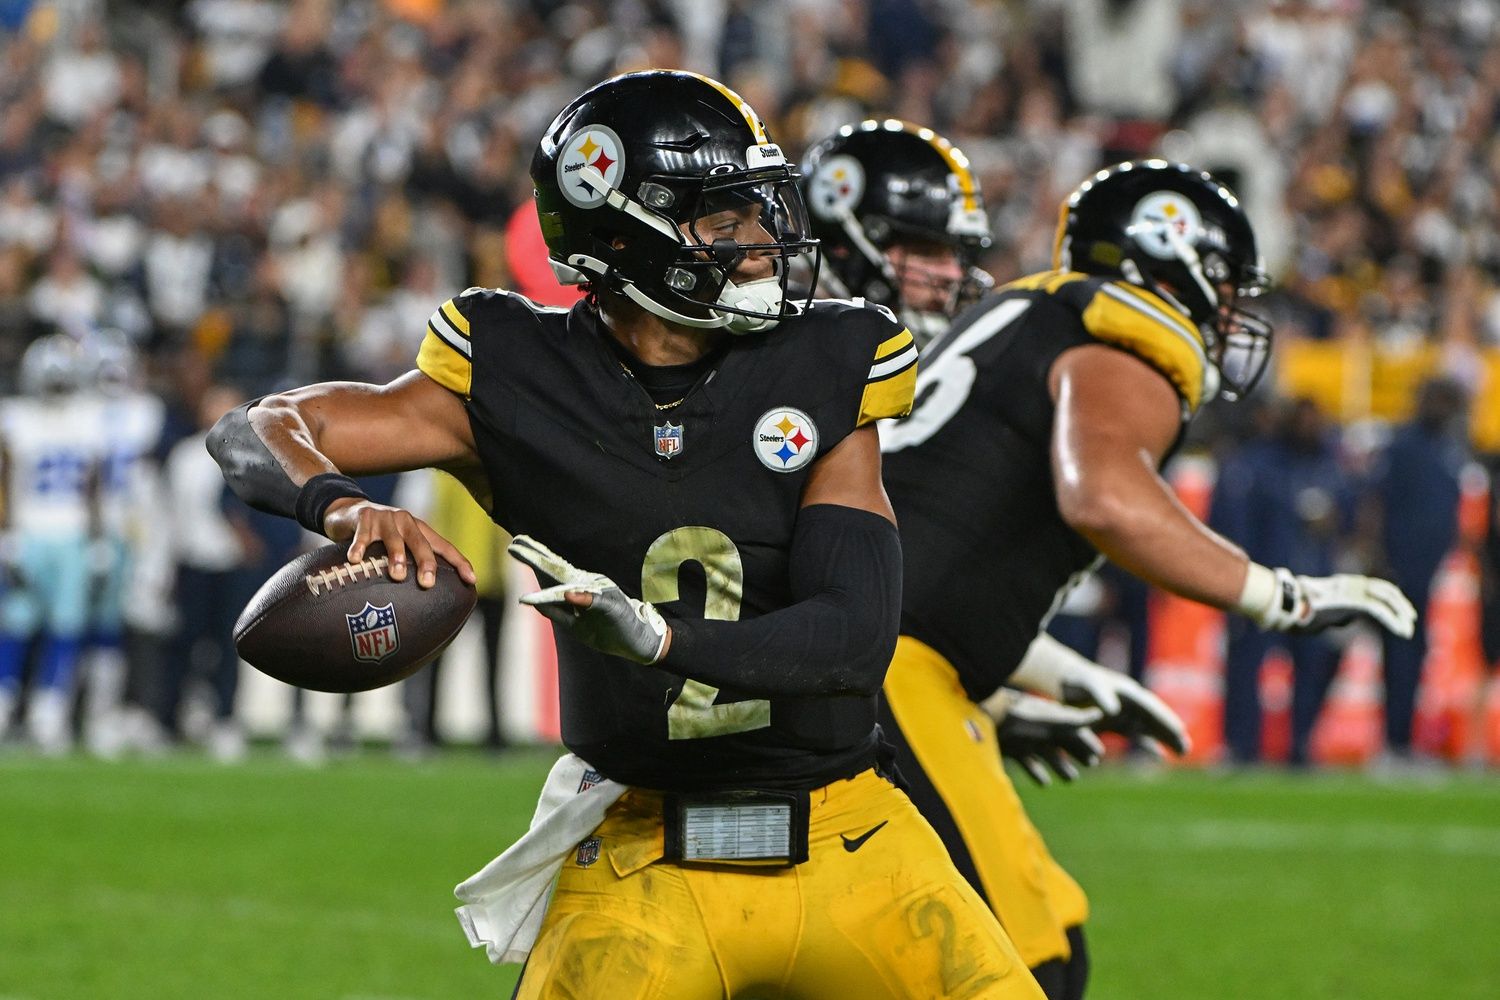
<point x="615" y="623"/>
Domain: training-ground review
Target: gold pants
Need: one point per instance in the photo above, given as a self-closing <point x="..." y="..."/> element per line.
<point x="876" y="911"/>
<point x="953" y="741"/>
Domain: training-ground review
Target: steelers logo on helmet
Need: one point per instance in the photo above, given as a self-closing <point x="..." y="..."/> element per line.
<point x="785" y="439"/>
<point x="1161" y="216"/>
<point x="591" y="164"/>
<point x="836" y="187"/>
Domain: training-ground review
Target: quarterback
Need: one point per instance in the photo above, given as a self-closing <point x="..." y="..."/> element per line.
<point x="1044" y="415"/>
<point x="690" y="463"/>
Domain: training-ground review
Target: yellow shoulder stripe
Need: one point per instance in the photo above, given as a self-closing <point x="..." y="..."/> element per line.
<point x="891" y="384"/>
<point x="450" y="309"/>
<point x="1044" y="281"/>
<point x="445" y="364"/>
<point x="890" y="397"/>
<point x="889" y="347"/>
<point x="1152" y="331"/>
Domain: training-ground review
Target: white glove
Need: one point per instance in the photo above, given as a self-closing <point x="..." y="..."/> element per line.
<point x="1279" y="600"/>
<point x="1038" y="734"/>
<point x="614" y="623"/>
<point x="1052" y="669"/>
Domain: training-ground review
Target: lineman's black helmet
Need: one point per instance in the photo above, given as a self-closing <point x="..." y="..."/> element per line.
<point x="1182" y="234"/>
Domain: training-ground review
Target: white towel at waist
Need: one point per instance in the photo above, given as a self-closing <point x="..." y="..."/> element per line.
<point x="506" y="899"/>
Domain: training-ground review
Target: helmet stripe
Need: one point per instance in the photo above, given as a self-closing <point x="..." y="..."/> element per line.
<point x="751" y="118"/>
<point x="952" y="155"/>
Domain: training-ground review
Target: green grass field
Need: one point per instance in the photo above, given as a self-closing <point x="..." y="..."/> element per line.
<point x="183" y="879"/>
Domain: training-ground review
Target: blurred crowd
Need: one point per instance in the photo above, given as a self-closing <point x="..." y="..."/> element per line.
<point x="249" y="194"/>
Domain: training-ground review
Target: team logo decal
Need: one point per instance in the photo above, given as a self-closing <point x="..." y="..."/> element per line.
<point x="785" y="439"/>
<point x="588" y="852"/>
<point x="591" y="154"/>
<point x="372" y="632"/>
<point x="668" y="439"/>
<point x="837" y="185"/>
<point x="1162" y="213"/>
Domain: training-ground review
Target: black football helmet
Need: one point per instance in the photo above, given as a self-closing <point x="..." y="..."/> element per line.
<point x="1181" y="234"/>
<point x="877" y="183"/>
<point x="627" y="172"/>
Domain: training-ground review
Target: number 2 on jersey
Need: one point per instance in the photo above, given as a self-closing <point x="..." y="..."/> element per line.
<point x="693" y="714"/>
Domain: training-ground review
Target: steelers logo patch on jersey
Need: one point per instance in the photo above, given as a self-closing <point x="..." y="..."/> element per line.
<point x="1159" y="216"/>
<point x="591" y="165"/>
<point x="785" y="439"/>
<point x="836" y="187"/>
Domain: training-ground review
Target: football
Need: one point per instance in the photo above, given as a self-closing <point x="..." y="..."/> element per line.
<point x="328" y="624"/>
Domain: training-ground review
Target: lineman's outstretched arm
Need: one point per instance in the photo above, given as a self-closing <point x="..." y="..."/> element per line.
<point x="291" y="454"/>
<point x="836" y="637"/>
<point x="1115" y="419"/>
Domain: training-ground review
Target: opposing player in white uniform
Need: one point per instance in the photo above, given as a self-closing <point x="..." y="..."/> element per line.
<point x="49" y="464"/>
<point x="129" y="427"/>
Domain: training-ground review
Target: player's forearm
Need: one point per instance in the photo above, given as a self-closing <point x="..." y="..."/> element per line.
<point x="838" y="635"/>
<point x="1139" y="524"/>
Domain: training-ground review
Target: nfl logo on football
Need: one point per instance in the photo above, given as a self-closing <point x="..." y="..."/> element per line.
<point x="372" y="632"/>
<point x="668" y="439"/>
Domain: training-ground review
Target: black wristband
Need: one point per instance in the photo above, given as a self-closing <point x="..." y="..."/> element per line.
<point x="319" y="492"/>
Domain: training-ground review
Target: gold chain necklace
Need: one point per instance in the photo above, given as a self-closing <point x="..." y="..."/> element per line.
<point x="659" y="406"/>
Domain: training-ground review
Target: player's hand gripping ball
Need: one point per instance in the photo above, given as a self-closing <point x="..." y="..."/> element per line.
<point x="327" y="624"/>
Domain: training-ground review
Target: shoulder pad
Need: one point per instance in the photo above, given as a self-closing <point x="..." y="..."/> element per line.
<point x="883" y="351"/>
<point x="1136" y="320"/>
<point x="447" y="352"/>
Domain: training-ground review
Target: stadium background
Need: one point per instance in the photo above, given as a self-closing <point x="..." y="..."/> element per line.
<point x="262" y="194"/>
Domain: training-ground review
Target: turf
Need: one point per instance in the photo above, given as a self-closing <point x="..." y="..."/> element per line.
<point x="180" y="878"/>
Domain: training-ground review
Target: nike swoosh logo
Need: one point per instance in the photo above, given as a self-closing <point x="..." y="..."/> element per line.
<point x="855" y="844"/>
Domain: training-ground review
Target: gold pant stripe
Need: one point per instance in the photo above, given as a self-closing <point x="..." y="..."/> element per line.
<point x="889" y="918"/>
<point x="954" y="743"/>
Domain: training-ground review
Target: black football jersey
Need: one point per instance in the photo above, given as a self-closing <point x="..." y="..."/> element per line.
<point x="690" y="506"/>
<point x="969" y="471"/>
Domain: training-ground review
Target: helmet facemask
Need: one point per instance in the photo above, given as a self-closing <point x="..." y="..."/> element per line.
<point x="734" y="216"/>
<point x="1209" y="289"/>
<point x="965" y="233"/>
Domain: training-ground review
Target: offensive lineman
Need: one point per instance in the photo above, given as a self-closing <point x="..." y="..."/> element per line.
<point x="902" y="222"/>
<point x="688" y="428"/>
<point x="1043" y="418"/>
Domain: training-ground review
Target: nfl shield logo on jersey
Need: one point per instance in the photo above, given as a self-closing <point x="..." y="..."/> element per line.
<point x="588" y="852"/>
<point x="373" y="632"/>
<point x="668" y="439"/>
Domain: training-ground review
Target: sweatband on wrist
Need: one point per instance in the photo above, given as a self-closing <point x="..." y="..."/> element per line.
<point x="319" y="493"/>
<point x="1261" y="595"/>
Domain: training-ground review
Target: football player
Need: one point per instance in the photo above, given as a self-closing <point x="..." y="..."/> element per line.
<point x="901" y="220"/>
<point x="48" y="478"/>
<point x="723" y="574"/>
<point x="1043" y="418"/>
